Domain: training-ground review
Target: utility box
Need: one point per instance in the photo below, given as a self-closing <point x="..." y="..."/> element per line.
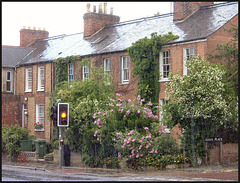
<point x="26" y="145"/>
<point x="41" y="147"/>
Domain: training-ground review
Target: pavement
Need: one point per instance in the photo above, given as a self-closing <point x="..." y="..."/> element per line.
<point x="228" y="172"/>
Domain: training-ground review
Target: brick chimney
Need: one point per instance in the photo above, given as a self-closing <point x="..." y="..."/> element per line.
<point x="184" y="9"/>
<point x="27" y="36"/>
<point x="95" y="21"/>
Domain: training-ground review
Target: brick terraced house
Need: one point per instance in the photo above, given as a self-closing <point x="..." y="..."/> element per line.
<point x="199" y="25"/>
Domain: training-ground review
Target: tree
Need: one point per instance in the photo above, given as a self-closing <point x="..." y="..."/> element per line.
<point x="198" y="102"/>
<point x="228" y="54"/>
<point x="84" y="98"/>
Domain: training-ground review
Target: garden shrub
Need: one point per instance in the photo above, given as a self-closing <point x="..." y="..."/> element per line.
<point x="11" y="137"/>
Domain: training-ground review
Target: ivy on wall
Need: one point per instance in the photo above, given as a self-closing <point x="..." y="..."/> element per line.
<point x="62" y="67"/>
<point x="145" y="55"/>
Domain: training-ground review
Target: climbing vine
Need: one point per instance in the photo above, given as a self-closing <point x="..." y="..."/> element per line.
<point x="145" y="55"/>
<point x="62" y="67"/>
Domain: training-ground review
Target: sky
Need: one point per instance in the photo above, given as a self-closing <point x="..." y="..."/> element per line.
<point x="67" y="17"/>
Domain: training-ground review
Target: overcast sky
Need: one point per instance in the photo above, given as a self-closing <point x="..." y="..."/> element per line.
<point x="66" y="17"/>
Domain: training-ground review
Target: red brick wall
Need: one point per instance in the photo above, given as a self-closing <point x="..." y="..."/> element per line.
<point x="11" y="113"/>
<point x="95" y="21"/>
<point x="229" y="153"/>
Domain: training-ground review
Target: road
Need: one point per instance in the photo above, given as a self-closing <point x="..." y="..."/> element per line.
<point x="20" y="173"/>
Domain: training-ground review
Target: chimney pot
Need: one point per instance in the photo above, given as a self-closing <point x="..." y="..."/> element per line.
<point x="34" y="28"/>
<point x="88" y="7"/>
<point x="111" y="11"/>
<point x="105" y="8"/>
<point x="39" y="28"/>
<point x="43" y="29"/>
<point x="100" y="8"/>
<point x="94" y="8"/>
<point x="29" y="27"/>
<point x="24" y="27"/>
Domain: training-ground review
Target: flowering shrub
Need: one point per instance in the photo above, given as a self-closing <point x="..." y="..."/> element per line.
<point x="146" y="149"/>
<point x="38" y="125"/>
<point x="130" y="130"/>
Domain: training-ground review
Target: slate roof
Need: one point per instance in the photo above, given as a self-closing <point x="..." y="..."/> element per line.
<point x="118" y="37"/>
<point x="11" y="55"/>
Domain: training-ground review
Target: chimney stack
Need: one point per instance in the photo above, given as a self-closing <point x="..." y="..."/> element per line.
<point x="184" y="9"/>
<point x="93" y="21"/>
<point x="27" y="36"/>
<point x="100" y="8"/>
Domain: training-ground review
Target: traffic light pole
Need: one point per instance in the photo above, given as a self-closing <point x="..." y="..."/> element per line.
<point x="60" y="147"/>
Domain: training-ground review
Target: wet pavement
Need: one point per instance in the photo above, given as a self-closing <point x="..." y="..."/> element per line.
<point x="203" y="173"/>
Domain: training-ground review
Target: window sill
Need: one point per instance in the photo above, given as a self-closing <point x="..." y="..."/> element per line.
<point x="40" y="90"/>
<point x="124" y="83"/>
<point x="28" y="91"/>
<point x="164" y="80"/>
<point x="39" y="130"/>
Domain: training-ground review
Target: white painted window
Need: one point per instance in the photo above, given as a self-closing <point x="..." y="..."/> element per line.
<point x="85" y="72"/>
<point x="40" y="113"/>
<point x="9" y="81"/>
<point x="107" y="68"/>
<point x="124" y="70"/>
<point x="70" y="72"/>
<point x="187" y="53"/>
<point x="28" y="82"/>
<point x="162" y="102"/>
<point x="165" y="66"/>
<point x="41" y="78"/>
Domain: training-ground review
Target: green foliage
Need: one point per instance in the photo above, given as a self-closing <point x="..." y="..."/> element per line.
<point x="145" y="55"/>
<point x="84" y="98"/>
<point x="11" y="137"/>
<point x="198" y="102"/>
<point x="62" y="67"/>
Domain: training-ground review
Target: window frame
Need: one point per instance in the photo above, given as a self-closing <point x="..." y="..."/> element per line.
<point x="9" y="81"/>
<point x="70" y="72"/>
<point x="41" y="78"/>
<point x="186" y="57"/>
<point x="85" y="78"/>
<point x="38" y="106"/>
<point x="107" y="68"/>
<point x="28" y="80"/>
<point x="123" y="70"/>
<point x="162" y="64"/>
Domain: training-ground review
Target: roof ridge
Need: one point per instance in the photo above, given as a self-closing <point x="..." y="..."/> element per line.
<point x="217" y="5"/>
<point x="140" y="19"/>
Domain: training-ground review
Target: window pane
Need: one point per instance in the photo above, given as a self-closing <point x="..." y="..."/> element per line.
<point x="8" y="76"/>
<point x="8" y="86"/>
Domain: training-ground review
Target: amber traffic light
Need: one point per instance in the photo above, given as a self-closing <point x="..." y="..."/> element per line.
<point x="63" y="114"/>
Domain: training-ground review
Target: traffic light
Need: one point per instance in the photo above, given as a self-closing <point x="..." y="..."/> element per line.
<point x="54" y="115"/>
<point x="63" y="115"/>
